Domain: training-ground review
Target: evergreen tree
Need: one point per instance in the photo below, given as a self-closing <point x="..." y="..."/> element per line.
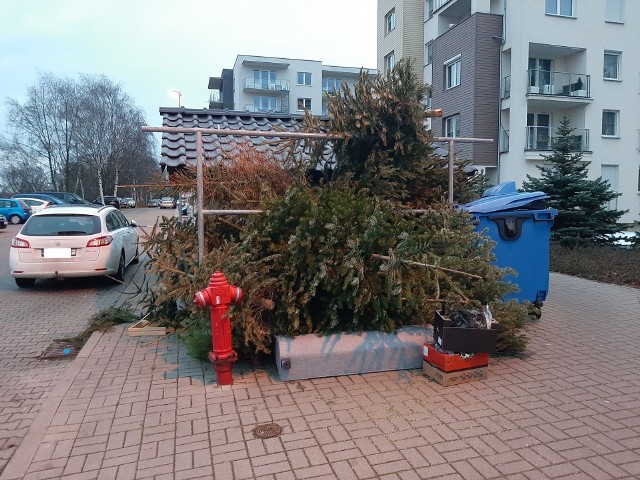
<point x="583" y="215"/>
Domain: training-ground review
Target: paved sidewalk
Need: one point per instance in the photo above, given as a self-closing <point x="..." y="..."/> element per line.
<point x="140" y="408"/>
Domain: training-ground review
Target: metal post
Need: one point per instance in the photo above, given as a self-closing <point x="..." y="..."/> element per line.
<point x="200" y="192"/>
<point x="451" y="159"/>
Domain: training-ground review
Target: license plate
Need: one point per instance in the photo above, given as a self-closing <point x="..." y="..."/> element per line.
<point x="56" y="253"/>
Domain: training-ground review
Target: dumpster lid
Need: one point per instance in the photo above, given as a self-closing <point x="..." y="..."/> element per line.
<point x="504" y="197"/>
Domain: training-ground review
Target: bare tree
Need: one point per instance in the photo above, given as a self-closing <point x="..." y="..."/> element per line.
<point x="20" y="172"/>
<point x="45" y="122"/>
<point x="109" y="129"/>
<point x="86" y="132"/>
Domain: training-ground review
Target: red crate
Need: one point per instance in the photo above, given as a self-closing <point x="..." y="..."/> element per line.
<point x="451" y="362"/>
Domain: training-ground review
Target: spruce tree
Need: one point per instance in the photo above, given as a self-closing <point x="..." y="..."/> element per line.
<point x="583" y="214"/>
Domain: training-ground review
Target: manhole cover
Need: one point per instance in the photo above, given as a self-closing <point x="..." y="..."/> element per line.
<point x="267" y="430"/>
<point x="59" y="350"/>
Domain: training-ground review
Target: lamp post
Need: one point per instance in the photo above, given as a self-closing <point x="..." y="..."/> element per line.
<point x="178" y="94"/>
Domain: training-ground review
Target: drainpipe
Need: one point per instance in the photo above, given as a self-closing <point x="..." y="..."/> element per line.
<point x="500" y="70"/>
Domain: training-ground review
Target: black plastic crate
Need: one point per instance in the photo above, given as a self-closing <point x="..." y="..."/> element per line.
<point x="462" y="340"/>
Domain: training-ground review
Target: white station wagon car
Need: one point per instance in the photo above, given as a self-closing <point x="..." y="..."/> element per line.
<point x="64" y="242"/>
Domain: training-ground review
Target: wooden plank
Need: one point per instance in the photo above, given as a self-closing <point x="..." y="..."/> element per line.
<point x="145" y="327"/>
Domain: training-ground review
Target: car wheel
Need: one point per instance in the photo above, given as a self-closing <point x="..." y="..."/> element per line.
<point x="120" y="273"/>
<point x="3" y="226"/>
<point x="25" y="282"/>
<point x="15" y="219"/>
<point x="136" y="257"/>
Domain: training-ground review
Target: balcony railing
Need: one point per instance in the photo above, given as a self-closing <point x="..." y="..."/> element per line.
<point x="506" y="87"/>
<point x="439" y="3"/>
<point x="545" y="82"/>
<point x="250" y="82"/>
<point x="331" y="90"/>
<point x="257" y="109"/>
<point x="504" y="140"/>
<point x="543" y="138"/>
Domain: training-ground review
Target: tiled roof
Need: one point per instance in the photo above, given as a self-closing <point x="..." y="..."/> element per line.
<point x="180" y="148"/>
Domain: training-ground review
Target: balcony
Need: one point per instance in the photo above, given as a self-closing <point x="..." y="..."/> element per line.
<point x="275" y="86"/>
<point x="541" y="139"/>
<point x="558" y="84"/>
<point x="215" y="100"/>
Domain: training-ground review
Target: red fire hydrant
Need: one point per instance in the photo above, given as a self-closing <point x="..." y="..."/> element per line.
<point x="219" y="295"/>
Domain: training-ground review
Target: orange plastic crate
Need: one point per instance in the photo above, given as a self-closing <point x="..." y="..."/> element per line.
<point x="451" y="362"/>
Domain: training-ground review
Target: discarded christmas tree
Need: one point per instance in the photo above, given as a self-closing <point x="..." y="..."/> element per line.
<point x="342" y="256"/>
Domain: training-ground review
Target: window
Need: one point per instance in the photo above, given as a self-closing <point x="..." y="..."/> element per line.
<point x="612" y="65"/>
<point x="390" y="21"/>
<point x="614" y="11"/>
<point x="264" y="78"/>
<point x="559" y="7"/>
<point x="452" y="73"/>
<point x="330" y="85"/>
<point x="428" y="53"/>
<point x="452" y="126"/>
<point x="610" y="123"/>
<point x="429" y="9"/>
<point x="389" y="62"/>
<point x="304" y="78"/>
<point x="112" y="222"/>
<point x="304" y="104"/>
<point x="429" y="98"/>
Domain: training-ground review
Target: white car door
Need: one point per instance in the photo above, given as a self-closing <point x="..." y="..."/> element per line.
<point x="129" y="237"/>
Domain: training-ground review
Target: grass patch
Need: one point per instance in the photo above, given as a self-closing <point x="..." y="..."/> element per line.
<point x="601" y="263"/>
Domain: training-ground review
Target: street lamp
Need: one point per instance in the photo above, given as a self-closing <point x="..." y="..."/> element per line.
<point x="173" y="92"/>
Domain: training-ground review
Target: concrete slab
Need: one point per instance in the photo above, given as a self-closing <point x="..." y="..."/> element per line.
<point x="313" y="356"/>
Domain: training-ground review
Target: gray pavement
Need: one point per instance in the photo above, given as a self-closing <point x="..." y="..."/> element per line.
<point x="141" y="408"/>
<point x="30" y="319"/>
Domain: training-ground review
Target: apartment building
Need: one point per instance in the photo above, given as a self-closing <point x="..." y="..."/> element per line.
<point x="509" y="70"/>
<point x="279" y="85"/>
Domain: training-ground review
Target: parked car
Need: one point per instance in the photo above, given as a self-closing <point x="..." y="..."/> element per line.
<point x="167" y="202"/>
<point x="41" y="196"/>
<point x="36" y="204"/>
<point x="15" y="210"/>
<point x="129" y="202"/>
<point x="3" y="221"/>
<point x="64" y="197"/>
<point x="73" y="241"/>
<point x="109" y="200"/>
<point x="153" y="203"/>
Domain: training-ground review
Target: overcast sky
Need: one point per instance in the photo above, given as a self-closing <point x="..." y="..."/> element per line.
<point x="152" y="46"/>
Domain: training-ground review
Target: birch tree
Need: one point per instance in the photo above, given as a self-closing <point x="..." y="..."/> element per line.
<point x="45" y="123"/>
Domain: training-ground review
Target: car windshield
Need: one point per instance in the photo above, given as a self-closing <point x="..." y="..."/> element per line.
<point x="61" y="225"/>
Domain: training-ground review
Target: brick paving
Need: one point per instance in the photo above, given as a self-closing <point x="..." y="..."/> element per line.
<point x="141" y="408"/>
<point x="30" y="319"/>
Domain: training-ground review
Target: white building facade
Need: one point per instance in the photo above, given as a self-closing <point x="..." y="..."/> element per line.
<point x="279" y="85"/>
<point x="511" y="69"/>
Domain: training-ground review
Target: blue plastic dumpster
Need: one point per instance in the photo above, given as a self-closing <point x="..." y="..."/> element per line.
<point x="520" y="225"/>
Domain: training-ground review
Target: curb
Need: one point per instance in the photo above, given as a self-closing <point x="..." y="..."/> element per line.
<point x="21" y="459"/>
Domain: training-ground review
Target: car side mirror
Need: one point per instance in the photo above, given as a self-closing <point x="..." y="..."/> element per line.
<point x="133" y="224"/>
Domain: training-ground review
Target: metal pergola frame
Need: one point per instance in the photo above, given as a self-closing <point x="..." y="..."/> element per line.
<point x="257" y="133"/>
